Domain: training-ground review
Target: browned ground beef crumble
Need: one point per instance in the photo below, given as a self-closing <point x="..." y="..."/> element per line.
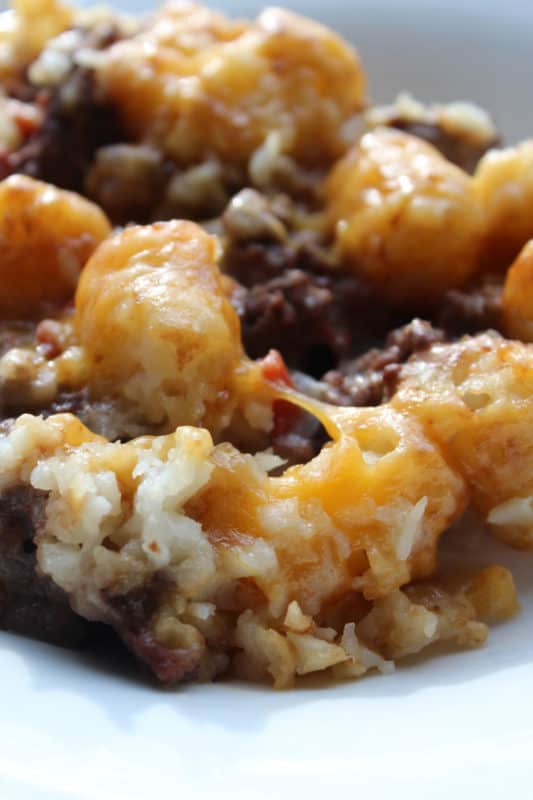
<point x="464" y="153"/>
<point x="131" y="615"/>
<point x="75" y="124"/>
<point x="473" y="309"/>
<point x="370" y="379"/>
<point x="29" y="603"/>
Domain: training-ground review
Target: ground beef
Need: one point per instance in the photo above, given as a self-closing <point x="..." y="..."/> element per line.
<point x="371" y="379"/>
<point x="293" y="297"/>
<point x="256" y="262"/>
<point x="473" y="309"/>
<point x="459" y="150"/>
<point x="76" y="123"/>
<point x="131" y="617"/>
<point x="29" y="603"/>
<point x="294" y="301"/>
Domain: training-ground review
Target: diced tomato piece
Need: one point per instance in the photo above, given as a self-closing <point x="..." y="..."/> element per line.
<point x="274" y="368"/>
<point x="285" y="413"/>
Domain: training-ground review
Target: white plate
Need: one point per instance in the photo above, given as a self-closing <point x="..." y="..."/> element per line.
<point x="448" y="726"/>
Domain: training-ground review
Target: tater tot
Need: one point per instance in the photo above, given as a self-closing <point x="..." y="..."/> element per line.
<point x="282" y="75"/>
<point x="387" y="488"/>
<point x="189" y="27"/>
<point x="361" y="518"/>
<point x="369" y="507"/>
<point x="157" y="327"/>
<point x="35" y="22"/>
<point x="404" y="217"/>
<point x="503" y="183"/>
<point x="474" y="398"/>
<point x="517" y="299"/>
<point x="46" y="236"/>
